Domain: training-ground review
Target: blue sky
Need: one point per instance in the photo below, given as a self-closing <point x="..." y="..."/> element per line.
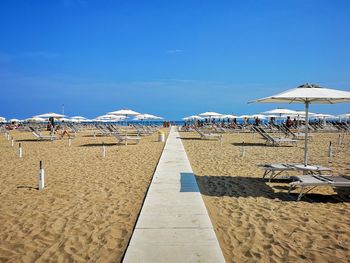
<point x="169" y="58"/>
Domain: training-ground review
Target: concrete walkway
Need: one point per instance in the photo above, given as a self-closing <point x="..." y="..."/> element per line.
<point x="174" y="225"/>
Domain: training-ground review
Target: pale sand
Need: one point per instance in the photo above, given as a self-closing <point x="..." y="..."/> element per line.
<point x="257" y="221"/>
<point x="89" y="207"/>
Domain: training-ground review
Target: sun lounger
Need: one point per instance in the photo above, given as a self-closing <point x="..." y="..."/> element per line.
<point x="126" y="138"/>
<point x="310" y="182"/>
<point x="273" y="140"/>
<point x="273" y="170"/>
<point x="41" y="137"/>
<point x="207" y="135"/>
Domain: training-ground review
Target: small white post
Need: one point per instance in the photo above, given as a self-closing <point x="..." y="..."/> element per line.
<point x="103" y="150"/>
<point x="242" y="150"/>
<point x="20" y="152"/>
<point x="339" y="139"/>
<point x="330" y="150"/>
<point x="12" y="141"/>
<point x="69" y="142"/>
<point x="41" y="178"/>
<point x="8" y="136"/>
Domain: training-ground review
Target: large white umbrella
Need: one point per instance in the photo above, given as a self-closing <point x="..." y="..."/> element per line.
<point x="210" y="114"/>
<point x="35" y="119"/>
<point x="110" y="117"/>
<point x="228" y="116"/>
<point x="50" y="114"/>
<point x="193" y="118"/>
<point x="308" y="94"/>
<point x="14" y="120"/>
<point x="2" y="119"/>
<point x="124" y="112"/>
<point x="279" y="112"/>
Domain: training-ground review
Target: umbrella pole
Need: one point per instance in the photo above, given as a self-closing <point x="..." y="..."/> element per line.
<point x="306" y="130"/>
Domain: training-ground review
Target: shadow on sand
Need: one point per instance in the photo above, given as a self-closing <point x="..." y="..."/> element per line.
<point x="250" y="144"/>
<point x="28" y="187"/>
<point x="237" y="186"/>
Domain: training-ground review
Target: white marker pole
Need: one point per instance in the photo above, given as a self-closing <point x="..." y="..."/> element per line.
<point x="103" y="150"/>
<point x="69" y="142"/>
<point x="242" y="150"/>
<point x="339" y="139"/>
<point x="20" y="152"/>
<point x="8" y="136"/>
<point x="330" y="150"/>
<point x="12" y="142"/>
<point x="41" y="177"/>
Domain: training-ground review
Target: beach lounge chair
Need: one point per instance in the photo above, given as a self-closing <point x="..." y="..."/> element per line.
<point x="275" y="169"/>
<point x="310" y="182"/>
<point x="273" y="140"/>
<point x="208" y="135"/>
<point x="41" y="137"/>
<point x="125" y="138"/>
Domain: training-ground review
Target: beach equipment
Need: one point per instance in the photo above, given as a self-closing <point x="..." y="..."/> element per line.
<point x="272" y="140"/>
<point x="210" y="114"/>
<point x="275" y="169"/>
<point x="228" y="116"/>
<point x="309" y="182"/>
<point x="41" y="137"/>
<point x="41" y="177"/>
<point x="192" y="118"/>
<point x="125" y="138"/>
<point x="308" y="94"/>
<point x="208" y="135"/>
<point x="124" y="112"/>
<point x="109" y="118"/>
<point x="2" y="119"/>
<point x="20" y="151"/>
<point x="35" y="119"/>
<point x="13" y="121"/>
<point x="279" y="112"/>
<point x="50" y="115"/>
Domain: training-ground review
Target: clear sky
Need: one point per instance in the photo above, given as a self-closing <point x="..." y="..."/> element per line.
<point x="169" y="58"/>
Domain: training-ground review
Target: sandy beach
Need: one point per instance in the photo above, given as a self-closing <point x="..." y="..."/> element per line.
<point x="89" y="207"/>
<point x="256" y="221"/>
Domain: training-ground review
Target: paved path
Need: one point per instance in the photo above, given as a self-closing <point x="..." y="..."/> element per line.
<point x="174" y="225"/>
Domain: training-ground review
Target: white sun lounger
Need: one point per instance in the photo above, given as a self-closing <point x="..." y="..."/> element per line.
<point x="310" y="182"/>
<point x="275" y="169"/>
<point x="207" y="135"/>
<point x="40" y="137"/>
<point x="126" y="138"/>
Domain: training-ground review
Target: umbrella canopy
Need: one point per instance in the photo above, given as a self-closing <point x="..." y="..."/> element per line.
<point x="322" y="115"/>
<point x="244" y="117"/>
<point x="2" y="119"/>
<point x="308" y="94"/>
<point x="279" y="112"/>
<point x="13" y="120"/>
<point x="110" y="117"/>
<point x="78" y="118"/>
<point x="259" y="116"/>
<point x="124" y="112"/>
<point x="228" y="116"/>
<point x="192" y="118"/>
<point x="49" y="115"/>
<point x="35" y="119"/>
<point x="147" y="116"/>
<point x="210" y="114"/>
<point x="346" y="115"/>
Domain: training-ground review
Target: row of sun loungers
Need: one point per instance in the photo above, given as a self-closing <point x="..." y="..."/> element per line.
<point x="311" y="179"/>
<point x="273" y="140"/>
<point x="306" y="183"/>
